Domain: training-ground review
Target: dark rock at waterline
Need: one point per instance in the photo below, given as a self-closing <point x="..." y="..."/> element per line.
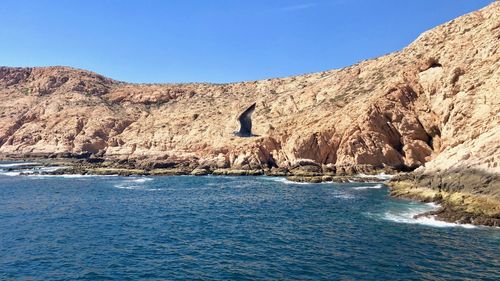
<point x="94" y="160"/>
<point x="466" y="197"/>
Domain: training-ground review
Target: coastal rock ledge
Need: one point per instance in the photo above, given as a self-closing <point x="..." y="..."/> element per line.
<point x="433" y="107"/>
<point x="465" y="197"/>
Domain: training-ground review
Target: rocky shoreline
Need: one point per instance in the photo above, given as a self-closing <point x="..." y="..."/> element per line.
<point x="302" y="172"/>
<point x="465" y="197"/>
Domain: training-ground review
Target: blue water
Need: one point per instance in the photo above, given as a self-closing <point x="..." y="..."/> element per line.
<point x="232" y="228"/>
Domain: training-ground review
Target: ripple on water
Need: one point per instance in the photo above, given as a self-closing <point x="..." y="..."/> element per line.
<point x="252" y="228"/>
<point x="140" y="183"/>
<point x="345" y="196"/>
<point x="377" y="186"/>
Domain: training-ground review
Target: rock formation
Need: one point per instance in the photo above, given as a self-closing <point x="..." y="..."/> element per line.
<point x="433" y="105"/>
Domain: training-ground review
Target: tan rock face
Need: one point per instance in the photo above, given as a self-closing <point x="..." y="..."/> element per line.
<point x="435" y="103"/>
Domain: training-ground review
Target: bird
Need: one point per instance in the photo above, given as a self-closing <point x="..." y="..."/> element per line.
<point x="245" y="119"/>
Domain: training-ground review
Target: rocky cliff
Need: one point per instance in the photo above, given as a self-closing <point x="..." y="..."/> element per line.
<point x="434" y="105"/>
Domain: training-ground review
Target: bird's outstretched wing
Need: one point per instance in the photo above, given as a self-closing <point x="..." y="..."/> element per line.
<point x="246" y="121"/>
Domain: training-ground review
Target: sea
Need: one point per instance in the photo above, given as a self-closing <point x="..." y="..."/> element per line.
<point x="82" y="227"/>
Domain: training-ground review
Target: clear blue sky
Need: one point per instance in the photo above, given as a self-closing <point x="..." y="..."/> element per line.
<point x="213" y="40"/>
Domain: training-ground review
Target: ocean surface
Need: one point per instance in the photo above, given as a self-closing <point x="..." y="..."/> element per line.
<point x="227" y="228"/>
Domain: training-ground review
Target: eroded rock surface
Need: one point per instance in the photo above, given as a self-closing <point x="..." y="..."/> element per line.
<point x="436" y="102"/>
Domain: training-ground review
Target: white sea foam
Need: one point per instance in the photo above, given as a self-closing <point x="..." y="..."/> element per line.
<point x="433" y="205"/>
<point x="125" y="186"/>
<point x="285" y="181"/>
<point x="377" y="186"/>
<point x="409" y="217"/>
<point x="10" y="174"/>
<point x="431" y="220"/>
<point x="381" y="176"/>
<point x="41" y="170"/>
<point x="70" y="176"/>
<point x="344" y="196"/>
<point x="51" y="169"/>
<point x="141" y="180"/>
<point x="76" y="176"/>
<point x="31" y="171"/>
<point x="134" y="187"/>
<point x="427" y="220"/>
<point x="135" y="184"/>
<point x="11" y="165"/>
